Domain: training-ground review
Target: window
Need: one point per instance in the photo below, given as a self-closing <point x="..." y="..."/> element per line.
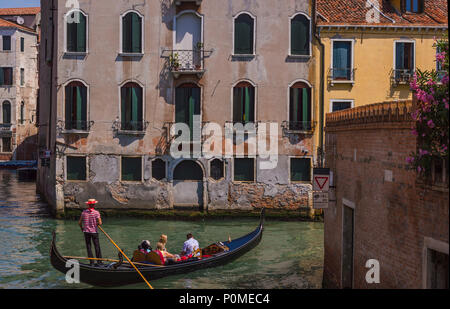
<point x="244" y="34"/>
<point x="216" y="169"/>
<point x="22" y="44"/>
<point x="22" y="112"/>
<point x="6" y="76"/>
<point x="76" y="168"/>
<point x="413" y="6"/>
<point x="439" y="68"/>
<point x="244" y="169"/>
<point x="300" y="107"/>
<point x="6" y="144"/>
<point x="300" y="35"/>
<point x="437" y="269"/>
<point x="187" y="104"/>
<point x="6" y="112"/>
<point x="188" y="170"/>
<point x="404" y="60"/>
<point x="76" y="106"/>
<point x="131" y="169"/>
<point x="159" y="169"/>
<point x="76" y="32"/>
<point x="22" y="77"/>
<point x="6" y="42"/>
<point x="243" y="103"/>
<point x="132" y="33"/>
<point x="132" y="107"/>
<point x="342" y="60"/>
<point x="301" y="169"/>
<point x="339" y="105"/>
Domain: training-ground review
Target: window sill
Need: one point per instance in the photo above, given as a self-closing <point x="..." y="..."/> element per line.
<point x="338" y="81"/>
<point x="122" y="54"/>
<point x="299" y="56"/>
<point x="67" y="53"/>
<point x="76" y="181"/>
<point x="243" y="56"/>
<point x="126" y="132"/>
<point x="75" y="132"/>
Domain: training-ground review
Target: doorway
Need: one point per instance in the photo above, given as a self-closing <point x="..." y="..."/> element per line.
<point x="348" y="229"/>
<point x="188" y="185"/>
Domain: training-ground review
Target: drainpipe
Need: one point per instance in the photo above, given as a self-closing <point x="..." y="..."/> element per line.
<point x="320" y="147"/>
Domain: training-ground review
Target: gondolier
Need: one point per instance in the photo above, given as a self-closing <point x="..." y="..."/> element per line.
<point x="89" y="220"/>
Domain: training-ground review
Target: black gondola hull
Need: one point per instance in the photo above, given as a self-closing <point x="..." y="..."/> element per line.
<point x="125" y="274"/>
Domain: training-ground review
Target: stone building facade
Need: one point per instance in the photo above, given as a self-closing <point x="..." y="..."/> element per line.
<point x="382" y="216"/>
<point x="18" y="83"/>
<point x="115" y="82"/>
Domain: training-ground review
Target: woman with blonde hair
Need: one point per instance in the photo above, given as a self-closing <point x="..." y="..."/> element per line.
<point x="163" y="241"/>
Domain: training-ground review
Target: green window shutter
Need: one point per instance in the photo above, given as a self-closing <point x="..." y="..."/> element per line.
<point x="294" y="105"/>
<point x="136" y="108"/>
<point x="71" y="36"/>
<point x="2" y="76"/>
<point x="305" y="102"/>
<point x="237" y="104"/>
<point x="300" y="35"/>
<point x="68" y="107"/>
<point x="78" y="107"/>
<point x="300" y="169"/>
<point x="81" y="34"/>
<point x="126" y="33"/>
<point x="180" y="106"/>
<point x="243" y="36"/>
<point x="124" y="106"/>
<point x="136" y="33"/>
<point x="6" y="112"/>
<point x="399" y="55"/>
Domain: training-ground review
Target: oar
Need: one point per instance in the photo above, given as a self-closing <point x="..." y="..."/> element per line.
<point x="112" y="241"/>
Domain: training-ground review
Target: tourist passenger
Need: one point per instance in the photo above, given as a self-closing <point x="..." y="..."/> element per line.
<point x="163" y="241"/>
<point x="89" y="220"/>
<point x="145" y="247"/>
<point x="190" y="245"/>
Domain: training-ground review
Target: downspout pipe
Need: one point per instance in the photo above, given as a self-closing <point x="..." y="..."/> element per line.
<point x="320" y="147"/>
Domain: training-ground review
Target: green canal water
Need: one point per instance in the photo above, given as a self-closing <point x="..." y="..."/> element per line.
<point x="290" y="254"/>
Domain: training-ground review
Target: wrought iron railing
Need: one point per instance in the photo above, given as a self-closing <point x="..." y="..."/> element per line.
<point x="77" y="125"/>
<point x="5" y="126"/>
<point x="135" y="126"/>
<point x="298" y="126"/>
<point x="341" y="74"/>
<point x="186" y="60"/>
<point x="401" y="76"/>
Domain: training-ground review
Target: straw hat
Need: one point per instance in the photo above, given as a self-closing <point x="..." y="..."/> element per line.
<point x="92" y="201"/>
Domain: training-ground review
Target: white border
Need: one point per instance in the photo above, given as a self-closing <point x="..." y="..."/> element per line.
<point x="254" y="35"/>
<point x="290" y="36"/>
<point x="352" y="101"/>
<point x="432" y="244"/>
<point x="414" y="52"/>
<point x="121" y="52"/>
<point x="352" y="80"/>
<point x="65" y="33"/>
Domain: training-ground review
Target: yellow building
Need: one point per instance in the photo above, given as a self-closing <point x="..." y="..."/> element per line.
<point x="371" y="49"/>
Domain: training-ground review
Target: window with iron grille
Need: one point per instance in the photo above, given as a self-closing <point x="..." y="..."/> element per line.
<point x="132" y="107"/>
<point x="244" y="169"/>
<point x="217" y="169"/>
<point x="76" y="168"/>
<point x="301" y="169"/>
<point x="131" y="169"/>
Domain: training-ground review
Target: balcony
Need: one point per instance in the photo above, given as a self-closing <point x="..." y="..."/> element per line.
<point x="341" y="76"/>
<point x="74" y="126"/>
<point x="5" y="129"/>
<point x="184" y="62"/>
<point x="401" y="76"/>
<point x="298" y="127"/>
<point x="130" y="127"/>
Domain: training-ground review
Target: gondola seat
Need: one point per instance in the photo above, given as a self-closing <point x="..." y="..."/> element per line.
<point x="139" y="256"/>
<point x="153" y="258"/>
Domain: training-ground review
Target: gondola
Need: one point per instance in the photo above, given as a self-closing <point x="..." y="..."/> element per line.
<point x="120" y="274"/>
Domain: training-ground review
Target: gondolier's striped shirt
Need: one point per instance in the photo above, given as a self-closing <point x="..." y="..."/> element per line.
<point x="89" y="219"/>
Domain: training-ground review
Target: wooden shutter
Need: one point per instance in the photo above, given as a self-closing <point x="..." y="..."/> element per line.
<point x="136" y="33"/>
<point x="71" y="35"/>
<point x="243" y="36"/>
<point x="341" y="60"/>
<point x="300" y="35"/>
<point x="68" y="107"/>
<point x="2" y="76"/>
<point x="6" y="112"/>
<point x="126" y="33"/>
<point x="81" y="34"/>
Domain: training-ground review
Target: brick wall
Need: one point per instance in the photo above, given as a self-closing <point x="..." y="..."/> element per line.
<point x="366" y="149"/>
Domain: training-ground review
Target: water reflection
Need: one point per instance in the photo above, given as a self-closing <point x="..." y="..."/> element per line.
<point x="290" y="254"/>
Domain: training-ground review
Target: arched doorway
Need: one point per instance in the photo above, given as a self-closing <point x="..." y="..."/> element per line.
<point x="188" y="185"/>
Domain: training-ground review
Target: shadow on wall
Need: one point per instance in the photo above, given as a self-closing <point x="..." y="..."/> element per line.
<point x="27" y="150"/>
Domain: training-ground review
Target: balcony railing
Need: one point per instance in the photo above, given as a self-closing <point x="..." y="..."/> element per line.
<point x="341" y="75"/>
<point x="179" y="2"/>
<point x="401" y="76"/>
<point x="78" y="125"/>
<point x="298" y="126"/>
<point x="130" y="127"/>
<point x="186" y="61"/>
<point x="5" y="129"/>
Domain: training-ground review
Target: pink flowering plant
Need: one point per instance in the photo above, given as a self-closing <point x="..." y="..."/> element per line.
<point x="430" y="88"/>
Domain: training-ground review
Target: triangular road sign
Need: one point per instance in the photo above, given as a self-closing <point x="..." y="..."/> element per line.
<point x="321" y="181"/>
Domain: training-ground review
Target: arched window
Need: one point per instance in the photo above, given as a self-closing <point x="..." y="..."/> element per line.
<point x="244" y="34"/>
<point x="300" y="35"/>
<point x="132" y="33"/>
<point x="76" y="106"/>
<point x="76" y="32"/>
<point x="188" y="170"/>
<point x="132" y="115"/>
<point x="243" y="103"/>
<point x="6" y="111"/>
<point x="300" y="108"/>
<point x="22" y="112"/>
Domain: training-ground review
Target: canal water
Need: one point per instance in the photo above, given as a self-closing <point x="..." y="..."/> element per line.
<point x="290" y="254"/>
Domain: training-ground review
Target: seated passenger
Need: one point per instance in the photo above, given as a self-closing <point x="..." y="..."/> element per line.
<point x="143" y="249"/>
<point x="168" y="257"/>
<point x="190" y="246"/>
